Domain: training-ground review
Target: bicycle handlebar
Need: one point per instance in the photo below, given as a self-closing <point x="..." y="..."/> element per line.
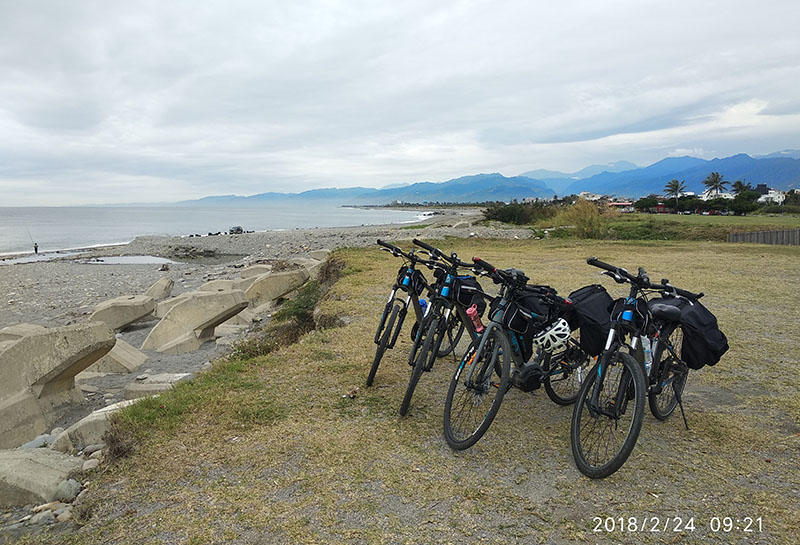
<point x="642" y="281"/>
<point x="437" y="253"/>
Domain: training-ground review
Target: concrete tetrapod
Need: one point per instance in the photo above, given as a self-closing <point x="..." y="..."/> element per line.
<point x="122" y="311"/>
<point x="37" y="376"/>
<point x="161" y="289"/>
<point x="269" y="287"/>
<point x="191" y="322"/>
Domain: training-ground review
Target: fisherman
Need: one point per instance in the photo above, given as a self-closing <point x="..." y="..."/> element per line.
<point x="36" y="247"/>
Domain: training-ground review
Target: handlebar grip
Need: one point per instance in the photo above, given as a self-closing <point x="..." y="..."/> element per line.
<point x="387" y="245"/>
<point x="428" y="247"/>
<point x="593" y="261"/>
<point x="688" y="294"/>
<point x="485" y="265"/>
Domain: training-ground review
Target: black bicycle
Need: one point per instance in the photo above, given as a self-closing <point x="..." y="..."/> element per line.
<point x="607" y="417"/>
<point x="451" y="297"/>
<point x="410" y="281"/>
<point x="524" y="321"/>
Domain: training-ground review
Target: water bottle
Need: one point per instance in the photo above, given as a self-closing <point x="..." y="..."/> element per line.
<point x="648" y="355"/>
<point x="423" y="305"/>
<point x="472" y="313"/>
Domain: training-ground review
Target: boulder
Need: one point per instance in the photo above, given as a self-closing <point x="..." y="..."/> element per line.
<point x="123" y="358"/>
<point x="154" y="385"/>
<point x="87" y="431"/>
<point x="37" y="376"/>
<point x="33" y="475"/>
<point x="268" y="287"/>
<point x="191" y="322"/>
<point x="161" y="289"/>
<point x="122" y="311"/>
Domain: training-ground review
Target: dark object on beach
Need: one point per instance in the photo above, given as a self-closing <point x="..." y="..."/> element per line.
<point x="36" y="247"/>
<point x="236" y="230"/>
<point x="164" y="267"/>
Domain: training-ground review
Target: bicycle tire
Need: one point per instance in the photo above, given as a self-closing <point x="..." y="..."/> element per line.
<point x="621" y="380"/>
<point x="563" y="383"/>
<point x="664" y="398"/>
<point x="382" y="344"/>
<point x="461" y="430"/>
<point x="420" y="363"/>
<point x="453" y="322"/>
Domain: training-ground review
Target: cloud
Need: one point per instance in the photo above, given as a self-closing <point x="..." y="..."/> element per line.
<point x="159" y="101"/>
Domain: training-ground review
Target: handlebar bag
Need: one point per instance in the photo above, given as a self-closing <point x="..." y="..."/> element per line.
<point x="468" y="293"/>
<point x="417" y="280"/>
<point x="591" y="313"/>
<point x="703" y="342"/>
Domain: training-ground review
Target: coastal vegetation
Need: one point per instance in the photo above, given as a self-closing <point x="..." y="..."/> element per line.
<point x="289" y="444"/>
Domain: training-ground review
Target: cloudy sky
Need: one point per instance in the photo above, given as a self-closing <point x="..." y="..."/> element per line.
<point x="134" y="101"/>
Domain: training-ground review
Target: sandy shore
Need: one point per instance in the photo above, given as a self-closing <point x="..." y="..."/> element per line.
<point x="65" y="290"/>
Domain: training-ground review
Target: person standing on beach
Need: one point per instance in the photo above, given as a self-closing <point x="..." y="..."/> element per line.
<point x="36" y="247"/>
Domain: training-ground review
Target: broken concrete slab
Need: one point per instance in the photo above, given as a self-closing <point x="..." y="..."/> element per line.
<point x="222" y="284"/>
<point x="37" y="376"/>
<point x="123" y="358"/>
<point x="154" y="384"/>
<point x="33" y="475"/>
<point x="319" y="255"/>
<point x="255" y="270"/>
<point x="120" y="312"/>
<point x="88" y="430"/>
<point x="191" y="322"/>
<point x="161" y="289"/>
<point x="268" y="287"/>
<point x="17" y="331"/>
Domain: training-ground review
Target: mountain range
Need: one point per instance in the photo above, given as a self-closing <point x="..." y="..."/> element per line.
<point x="780" y="170"/>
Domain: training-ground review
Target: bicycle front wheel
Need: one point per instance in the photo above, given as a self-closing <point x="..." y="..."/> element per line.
<point x="383" y="343"/>
<point x="605" y="431"/>
<point x="568" y="370"/>
<point x="476" y="391"/>
<point x="453" y="333"/>
<point x="420" y="362"/>
<point x="669" y="375"/>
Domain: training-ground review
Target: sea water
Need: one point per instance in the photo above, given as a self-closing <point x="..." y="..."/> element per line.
<point x="64" y="228"/>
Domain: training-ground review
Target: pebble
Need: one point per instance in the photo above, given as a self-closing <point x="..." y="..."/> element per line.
<point x="90" y="464"/>
<point x="141" y="377"/>
<point x="65" y="516"/>
<point x="91" y="449"/>
<point x="108" y="396"/>
<point x="45" y="517"/>
<point x="96" y="455"/>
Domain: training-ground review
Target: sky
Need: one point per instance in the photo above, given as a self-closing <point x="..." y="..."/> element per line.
<point x="148" y="101"/>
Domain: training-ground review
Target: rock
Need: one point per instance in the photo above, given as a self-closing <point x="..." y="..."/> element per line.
<point x="91" y="449"/>
<point x="88" y="431"/>
<point x="161" y="289"/>
<point x="154" y="385"/>
<point x="67" y="490"/>
<point x="65" y="516"/>
<point x="37" y="376"/>
<point x="45" y="517"/>
<point x="89" y="465"/>
<point x="98" y="454"/>
<point x="122" y="311"/>
<point x="49" y="505"/>
<point x="38" y="442"/>
<point x="191" y="322"/>
<point x="33" y="475"/>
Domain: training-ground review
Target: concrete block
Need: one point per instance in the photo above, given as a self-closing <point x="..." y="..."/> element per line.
<point x="33" y="475"/>
<point x="164" y="306"/>
<point x="123" y="358"/>
<point x="154" y="385"/>
<point x="88" y="430"/>
<point x="255" y="270"/>
<point x="123" y="311"/>
<point x="37" y="376"/>
<point x="191" y="322"/>
<point x="269" y="287"/>
<point x="161" y="289"/>
<point x="17" y="331"/>
<point x="319" y="255"/>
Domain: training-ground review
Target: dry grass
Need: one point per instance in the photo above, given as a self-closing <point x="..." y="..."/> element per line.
<point x="329" y="461"/>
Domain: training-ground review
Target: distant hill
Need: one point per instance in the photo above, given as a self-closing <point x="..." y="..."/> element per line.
<point x="780" y="173"/>
<point x="559" y="181"/>
<point x="477" y="188"/>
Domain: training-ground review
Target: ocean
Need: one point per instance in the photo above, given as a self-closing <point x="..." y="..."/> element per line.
<point x="64" y="228"/>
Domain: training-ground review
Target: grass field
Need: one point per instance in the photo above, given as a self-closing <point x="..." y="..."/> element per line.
<point x="291" y="448"/>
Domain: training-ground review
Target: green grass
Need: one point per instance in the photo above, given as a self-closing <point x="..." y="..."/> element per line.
<point x="291" y="447"/>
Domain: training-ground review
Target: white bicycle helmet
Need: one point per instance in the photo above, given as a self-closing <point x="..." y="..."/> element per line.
<point x="555" y="337"/>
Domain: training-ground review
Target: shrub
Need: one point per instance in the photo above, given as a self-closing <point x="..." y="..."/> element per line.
<point x="520" y="213"/>
<point x="589" y="219"/>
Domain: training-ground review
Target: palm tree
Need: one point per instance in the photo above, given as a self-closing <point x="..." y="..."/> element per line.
<point x="674" y="188"/>
<point x="715" y="183"/>
<point x="740" y="186"/>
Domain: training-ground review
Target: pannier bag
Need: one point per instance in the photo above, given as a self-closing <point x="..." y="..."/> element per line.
<point x="468" y="293"/>
<point x="703" y="342"/>
<point x="591" y="313"/>
<point x="525" y="316"/>
<point x="417" y="280"/>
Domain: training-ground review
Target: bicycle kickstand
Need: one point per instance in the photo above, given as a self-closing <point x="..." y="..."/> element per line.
<point x="679" y="397"/>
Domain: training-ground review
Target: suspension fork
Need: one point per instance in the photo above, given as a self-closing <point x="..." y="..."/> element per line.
<point x="602" y="364"/>
<point x="478" y="351"/>
<point x="386" y="310"/>
<point x="400" y="319"/>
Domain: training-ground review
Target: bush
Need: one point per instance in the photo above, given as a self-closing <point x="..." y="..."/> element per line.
<point x="780" y="209"/>
<point x="589" y="219"/>
<point x="519" y="213"/>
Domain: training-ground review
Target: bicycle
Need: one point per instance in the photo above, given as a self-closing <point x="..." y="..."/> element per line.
<point x="608" y="414"/>
<point x="522" y="317"/>
<point x="411" y="281"/>
<point x="450" y="297"/>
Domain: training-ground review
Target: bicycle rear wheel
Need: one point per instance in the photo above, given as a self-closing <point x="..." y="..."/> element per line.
<point x="603" y="435"/>
<point x="669" y="375"/>
<point x="383" y="343"/>
<point x="420" y="362"/>
<point x="474" y="398"/>
<point x="569" y="369"/>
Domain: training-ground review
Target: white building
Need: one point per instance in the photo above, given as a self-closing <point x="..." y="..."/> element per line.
<point x="589" y="196"/>
<point x="775" y="196"/>
<point x="708" y="195"/>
